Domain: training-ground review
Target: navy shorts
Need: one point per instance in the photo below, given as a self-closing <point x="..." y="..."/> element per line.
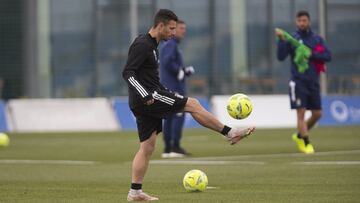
<point x="304" y="95"/>
<point x="149" y="117"/>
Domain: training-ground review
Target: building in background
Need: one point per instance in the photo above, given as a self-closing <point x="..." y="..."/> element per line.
<point x="77" y="48"/>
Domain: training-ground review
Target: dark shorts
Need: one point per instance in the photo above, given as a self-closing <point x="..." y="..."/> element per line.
<point x="149" y="117"/>
<point x="304" y="95"/>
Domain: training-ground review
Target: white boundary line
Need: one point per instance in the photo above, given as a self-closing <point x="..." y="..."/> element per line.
<point x="208" y="160"/>
<point x="203" y="162"/>
<point x="327" y="163"/>
<point x="278" y="155"/>
<point x="233" y="160"/>
<point x="54" y="162"/>
<point x="211" y="188"/>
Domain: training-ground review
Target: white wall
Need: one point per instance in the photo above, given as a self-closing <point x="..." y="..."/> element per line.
<point x="269" y="111"/>
<point x="50" y="115"/>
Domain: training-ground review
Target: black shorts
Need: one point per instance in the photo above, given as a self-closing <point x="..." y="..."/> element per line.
<point x="304" y="95"/>
<point x="149" y="117"/>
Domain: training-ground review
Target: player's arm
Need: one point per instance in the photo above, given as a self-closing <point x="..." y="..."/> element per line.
<point x="171" y="60"/>
<point x="167" y="58"/>
<point x="283" y="47"/>
<point x="136" y="57"/>
<point x="324" y="54"/>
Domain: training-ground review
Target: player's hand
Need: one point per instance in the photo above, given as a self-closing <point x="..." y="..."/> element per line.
<point x="189" y="70"/>
<point x="279" y="34"/>
<point x="149" y="102"/>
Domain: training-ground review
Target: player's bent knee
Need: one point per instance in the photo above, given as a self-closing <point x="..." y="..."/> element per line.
<point x="148" y="149"/>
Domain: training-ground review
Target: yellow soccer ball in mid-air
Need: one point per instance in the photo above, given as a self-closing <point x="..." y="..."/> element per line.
<point x="195" y="181"/>
<point x="239" y="106"/>
<point x="4" y="140"/>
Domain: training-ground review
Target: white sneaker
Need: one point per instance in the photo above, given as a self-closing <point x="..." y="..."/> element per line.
<point x="140" y="196"/>
<point x="236" y="134"/>
<point x="166" y="155"/>
<point x="176" y="155"/>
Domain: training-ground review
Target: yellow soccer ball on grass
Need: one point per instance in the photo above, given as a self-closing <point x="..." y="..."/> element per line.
<point x="239" y="106"/>
<point x="195" y="181"/>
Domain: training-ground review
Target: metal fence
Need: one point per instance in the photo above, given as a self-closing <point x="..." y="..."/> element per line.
<point x="77" y="48"/>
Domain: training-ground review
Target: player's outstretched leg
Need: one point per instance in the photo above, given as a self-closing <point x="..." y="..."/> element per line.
<point x="139" y="167"/>
<point x="208" y="120"/>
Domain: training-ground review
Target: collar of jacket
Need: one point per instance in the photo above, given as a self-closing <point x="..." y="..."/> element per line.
<point x="304" y="33"/>
<point x="152" y="39"/>
<point x="176" y="40"/>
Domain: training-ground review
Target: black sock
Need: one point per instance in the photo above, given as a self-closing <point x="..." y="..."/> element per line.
<point x="306" y="140"/>
<point x="225" y="130"/>
<point x="136" y="186"/>
<point x="299" y="136"/>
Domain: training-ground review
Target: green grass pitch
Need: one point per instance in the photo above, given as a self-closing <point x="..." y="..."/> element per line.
<point x="95" y="167"/>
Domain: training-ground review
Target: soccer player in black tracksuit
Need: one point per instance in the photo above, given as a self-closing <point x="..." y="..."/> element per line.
<point x="150" y="102"/>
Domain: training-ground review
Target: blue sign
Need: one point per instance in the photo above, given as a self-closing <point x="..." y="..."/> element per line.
<point x="127" y="120"/>
<point x="3" y="124"/>
<point x="340" y="110"/>
<point x="123" y="113"/>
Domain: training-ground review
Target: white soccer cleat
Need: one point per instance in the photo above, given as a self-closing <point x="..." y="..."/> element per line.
<point x="235" y="135"/>
<point x="140" y="196"/>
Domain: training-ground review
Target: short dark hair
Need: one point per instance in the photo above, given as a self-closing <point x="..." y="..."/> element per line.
<point x="302" y="13"/>
<point x="164" y="16"/>
<point x="180" y="22"/>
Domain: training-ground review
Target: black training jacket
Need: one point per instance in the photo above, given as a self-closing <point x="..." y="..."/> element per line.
<point x="141" y="71"/>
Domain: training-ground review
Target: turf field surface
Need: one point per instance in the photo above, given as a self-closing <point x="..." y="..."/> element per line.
<point x="95" y="167"/>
